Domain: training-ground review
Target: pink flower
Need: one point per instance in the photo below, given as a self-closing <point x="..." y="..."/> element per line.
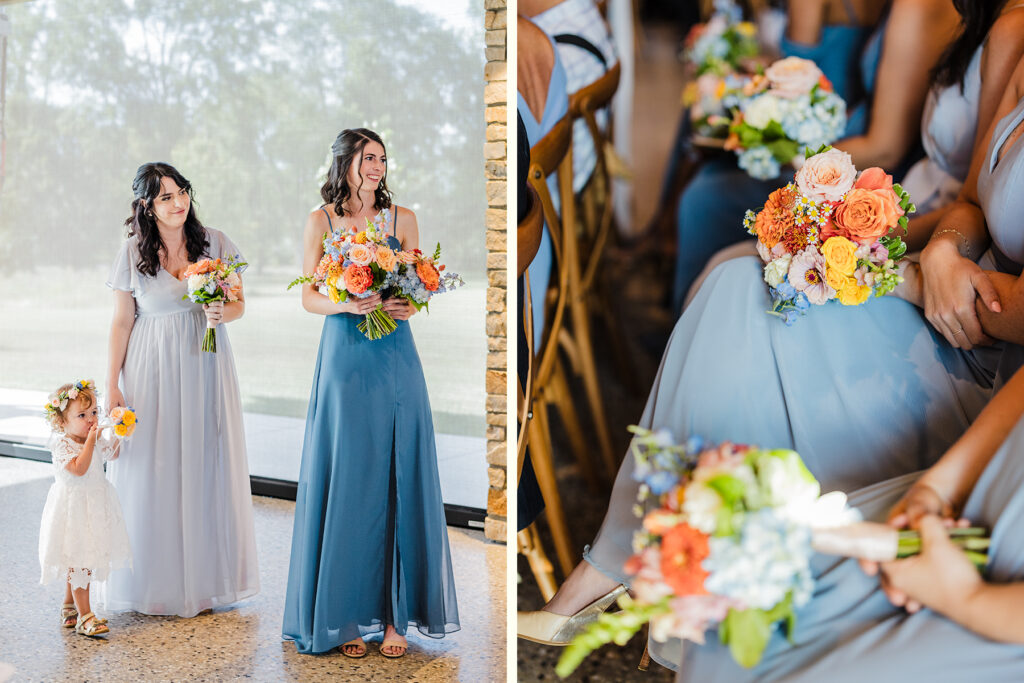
<point x="691" y="616"/>
<point x="826" y="177"/>
<point x="792" y="77"/>
<point x="807" y="275"/>
<point x="360" y="254"/>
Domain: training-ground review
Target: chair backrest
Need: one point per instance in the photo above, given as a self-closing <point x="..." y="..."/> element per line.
<point x="529" y="231"/>
<point x="584" y="104"/>
<point x="528" y="237"/>
<point x="553" y="153"/>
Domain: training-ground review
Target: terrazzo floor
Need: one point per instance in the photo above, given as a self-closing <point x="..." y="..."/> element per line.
<point x="232" y="643"/>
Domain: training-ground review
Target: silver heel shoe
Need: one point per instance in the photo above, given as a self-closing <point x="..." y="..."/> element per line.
<point x="549" y="628"/>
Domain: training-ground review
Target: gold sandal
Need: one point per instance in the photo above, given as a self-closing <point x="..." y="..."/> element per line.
<point x="88" y="625"/>
<point x="393" y="643"/>
<point x="68" y="615"/>
<point x="357" y="642"/>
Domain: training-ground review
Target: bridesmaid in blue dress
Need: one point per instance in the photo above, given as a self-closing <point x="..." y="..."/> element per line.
<point x="849" y="629"/>
<point x="370" y="545"/>
<point x="894" y="67"/>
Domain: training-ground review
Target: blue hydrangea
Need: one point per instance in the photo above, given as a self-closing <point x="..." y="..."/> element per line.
<point x="759" y="163"/>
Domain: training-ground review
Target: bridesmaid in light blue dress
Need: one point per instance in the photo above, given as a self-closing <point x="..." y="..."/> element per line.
<point x="370" y="545"/>
<point x="849" y="629"/>
<point x="182" y="478"/>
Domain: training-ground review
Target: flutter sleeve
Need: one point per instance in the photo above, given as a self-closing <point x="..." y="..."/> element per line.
<point x="124" y="274"/>
<point x="222" y="247"/>
<point x="63" y="452"/>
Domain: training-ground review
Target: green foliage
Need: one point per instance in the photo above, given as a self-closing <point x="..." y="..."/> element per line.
<point x="610" y="627"/>
<point x="747" y="632"/>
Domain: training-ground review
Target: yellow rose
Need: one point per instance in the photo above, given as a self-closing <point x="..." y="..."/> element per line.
<point x="853" y="294"/>
<point x="333" y="294"/>
<point x="746" y="29"/>
<point x="835" y="279"/>
<point x="128" y="418"/>
<point x="839" y="253"/>
<point x="121" y="430"/>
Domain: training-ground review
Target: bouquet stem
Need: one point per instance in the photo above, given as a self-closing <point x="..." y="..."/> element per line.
<point x="210" y="339"/>
<point x="377" y="324"/>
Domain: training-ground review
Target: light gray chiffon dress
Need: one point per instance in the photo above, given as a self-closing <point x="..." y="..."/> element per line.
<point x="183" y="477"/>
<point x="849" y="631"/>
<point x="864" y="393"/>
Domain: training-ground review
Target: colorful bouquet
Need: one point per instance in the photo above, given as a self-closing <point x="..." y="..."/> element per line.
<point x="720" y="45"/>
<point x="727" y="543"/>
<point x="791" y="107"/>
<point x="830" y="235"/>
<point x="710" y="99"/>
<point x="212" y="280"/>
<point x="420" y="278"/>
<point x="123" y="421"/>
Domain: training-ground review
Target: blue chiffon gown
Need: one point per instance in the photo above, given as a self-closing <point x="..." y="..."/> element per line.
<point x="711" y="208"/>
<point x="370" y="545"/>
<point x="865" y="394"/>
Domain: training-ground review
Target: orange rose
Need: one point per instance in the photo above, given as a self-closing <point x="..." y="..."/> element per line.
<point x="864" y="217"/>
<point x="358" y="278"/>
<point x="428" y="275"/>
<point x="879" y="181"/>
<point x="386" y="258"/>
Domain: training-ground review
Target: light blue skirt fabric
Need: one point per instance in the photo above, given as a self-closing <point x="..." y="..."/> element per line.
<point x="863" y="393"/>
<point x="849" y="632"/>
<point x="370" y="545"/>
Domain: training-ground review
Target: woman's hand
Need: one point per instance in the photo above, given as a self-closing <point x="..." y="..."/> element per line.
<point x="940" y="577"/>
<point x="214" y="312"/>
<point x="951" y="283"/>
<point x="399" y="308"/>
<point x="115" y="399"/>
<point x="359" y="306"/>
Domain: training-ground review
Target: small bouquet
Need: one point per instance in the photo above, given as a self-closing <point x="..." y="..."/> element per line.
<point x="710" y="99"/>
<point x="122" y="419"/>
<point x="832" y="234"/>
<point x="790" y="107"/>
<point x="727" y="543"/>
<point x="213" y="280"/>
<point x="720" y="45"/>
<point x="420" y="277"/>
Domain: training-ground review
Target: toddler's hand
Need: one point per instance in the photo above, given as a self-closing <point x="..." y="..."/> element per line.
<point x="94" y="432"/>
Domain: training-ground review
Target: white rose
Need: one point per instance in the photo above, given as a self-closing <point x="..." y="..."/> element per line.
<point x="776" y="271"/>
<point x="762" y="110"/>
<point x="195" y="282"/>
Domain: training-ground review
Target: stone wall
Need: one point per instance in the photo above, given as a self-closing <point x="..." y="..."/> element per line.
<point x="495" y="157"/>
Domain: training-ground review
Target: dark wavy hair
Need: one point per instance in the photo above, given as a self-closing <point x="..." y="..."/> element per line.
<point x="976" y="19"/>
<point x="348" y="147"/>
<point x="142" y="223"/>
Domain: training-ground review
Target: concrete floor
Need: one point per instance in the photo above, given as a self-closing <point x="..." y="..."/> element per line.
<point x="238" y="642"/>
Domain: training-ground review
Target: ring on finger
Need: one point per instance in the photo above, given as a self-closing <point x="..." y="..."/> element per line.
<point x="958" y="331"/>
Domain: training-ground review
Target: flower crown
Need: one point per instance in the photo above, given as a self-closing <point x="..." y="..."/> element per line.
<point x="59" y="401"/>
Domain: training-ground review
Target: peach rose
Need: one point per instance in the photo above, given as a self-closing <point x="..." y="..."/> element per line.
<point x="360" y="254"/>
<point x="864" y="217"/>
<point x="358" y="278"/>
<point x="386" y="258"/>
<point x="880" y="182"/>
<point x="406" y="257"/>
<point x="826" y="177"/>
<point x="792" y="77"/>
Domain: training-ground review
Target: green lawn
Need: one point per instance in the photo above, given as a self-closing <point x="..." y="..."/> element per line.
<point x="56" y="322"/>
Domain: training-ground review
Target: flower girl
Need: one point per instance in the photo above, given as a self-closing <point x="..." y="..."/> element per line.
<point x="82" y="535"/>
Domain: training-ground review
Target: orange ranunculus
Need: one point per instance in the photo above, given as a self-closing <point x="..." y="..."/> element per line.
<point x="825" y="84"/>
<point x="683" y="549"/>
<point x="428" y="275"/>
<point x="386" y="258"/>
<point x="776" y="217"/>
<point x="358" y="278"/>
<point x="865" y="216"/>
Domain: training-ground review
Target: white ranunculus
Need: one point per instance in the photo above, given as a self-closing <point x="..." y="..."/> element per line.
<point x="195" y="282"/>
<point x="775" y="272"/>
<point x="762" y="110"/>
<point x="700" y="505"/>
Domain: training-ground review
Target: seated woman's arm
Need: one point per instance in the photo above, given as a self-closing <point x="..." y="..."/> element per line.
<point x="917" y="33"/>
<point x="941" y="578"/>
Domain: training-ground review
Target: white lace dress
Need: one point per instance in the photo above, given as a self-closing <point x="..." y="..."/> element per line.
<point x="82" y="527"/>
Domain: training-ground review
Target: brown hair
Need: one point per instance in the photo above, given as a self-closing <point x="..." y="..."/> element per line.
<point x="57" y="416"/>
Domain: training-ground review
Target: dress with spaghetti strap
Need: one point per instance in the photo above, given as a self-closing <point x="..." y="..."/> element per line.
<point x="370" y="545"/>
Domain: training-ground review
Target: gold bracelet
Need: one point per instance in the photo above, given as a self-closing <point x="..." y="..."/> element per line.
<point x="967" y="244"/>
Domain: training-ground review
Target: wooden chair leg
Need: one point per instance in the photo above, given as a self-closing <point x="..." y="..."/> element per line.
<point x="544" y="468"/>
<point x="562" y="399"/>
<point x="600" y="304"/>
<point x="530" y="547"/>
<point x="588" y="373"/>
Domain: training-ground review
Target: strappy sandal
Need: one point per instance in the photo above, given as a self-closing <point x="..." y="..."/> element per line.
<point x="355" y="642"/>
<point x="394" y="643"/>
<point x="88" y="625"/>
<point x="68" y="615"/>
